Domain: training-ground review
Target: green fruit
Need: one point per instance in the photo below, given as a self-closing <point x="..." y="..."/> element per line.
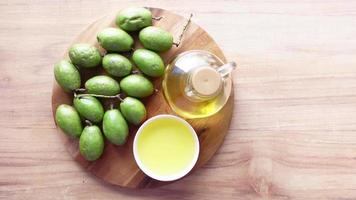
<point x="156" y="38"/>
<point x="133" y="110"/>
<point x="136" y="86"/>
<point x="89" y="107"/>
<point x="67" y="75"/>
<point x="84" y="55"/>
<point x="91" y="143"/>
<point x="102" y="85"/>
<point x="115" y="40"/>
<point x="115" y="127"/>
<point x="149" y="62"/>
<point x="117" y="65"/>
<point x="67" y="118"/>
<point x="134" y="18"/>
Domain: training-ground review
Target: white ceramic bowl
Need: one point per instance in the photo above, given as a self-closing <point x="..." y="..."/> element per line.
<point x="171" y="177"/>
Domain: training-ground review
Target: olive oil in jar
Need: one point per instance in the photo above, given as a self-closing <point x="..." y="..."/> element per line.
<point x="197" y="84"/>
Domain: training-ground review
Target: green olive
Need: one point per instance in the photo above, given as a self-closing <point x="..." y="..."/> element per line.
<point x="134" y="18"/>
<point x="156" y="38"/>
<point x="67" y="75"/>
<point x="149" y="62"/>
<point x="117" y="65"/>
<point x="102" y="85"/>
<point x="84" y="55"/>
<point x="68" y="119"/>
<point x="91" y="143"/>
<point x="136" y="86"/>
<point x="115" y="40"/>
<point x="133" y="110"/>
<point x="115" y="127"/>
<point x="89" y="107"/>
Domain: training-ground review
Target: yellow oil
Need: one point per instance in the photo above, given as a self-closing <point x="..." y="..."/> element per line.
<point x="166" y="146"/>
<point x="174" y="86"/>
<point x="176" y="81"/>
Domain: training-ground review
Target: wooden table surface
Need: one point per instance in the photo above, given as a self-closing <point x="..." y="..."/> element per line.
<point x="293" y="132"/>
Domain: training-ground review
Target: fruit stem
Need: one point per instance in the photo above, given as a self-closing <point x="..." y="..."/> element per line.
<point x="120" y="97"/>
<point x="111" y="106"/>
<point x="88" y="122"/>
<point x="183" y="31"/>
<point x="100" y="96"/>
<point x="157" y="18"/>
<point x="80" y="90"/>
<point x="135" y="71"/>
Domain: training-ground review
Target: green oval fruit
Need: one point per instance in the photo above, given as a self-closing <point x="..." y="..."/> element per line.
<point x="115" y="127"/>
<point x="67" y="75"/>
<point x="149" y="62"/>
<point x="91" y="143"/>
<point x="136" y="86"/>
<point x="84" y="55"/>
<point x="89" y="107"/>
<point x="68" y="119"/>
<point x="133" y="110"/>
<point x="156" y="38"/>
<point x="102" y="85"/>
<point x="115" y="40"/>
<point x="117" y="65"/>
<point x="134" y="18"/>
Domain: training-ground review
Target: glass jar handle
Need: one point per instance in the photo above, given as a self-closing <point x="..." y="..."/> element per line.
<point x="226" y="69"/>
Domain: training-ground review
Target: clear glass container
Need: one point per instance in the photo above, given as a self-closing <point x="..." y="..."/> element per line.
<point x="197" y="84"/>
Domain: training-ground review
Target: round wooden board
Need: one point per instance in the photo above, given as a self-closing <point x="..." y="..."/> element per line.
<point x="117" y="165"/>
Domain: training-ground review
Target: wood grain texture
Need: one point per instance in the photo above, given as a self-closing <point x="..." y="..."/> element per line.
<point x="117" y="164"/>
<point x="293" y="128"/>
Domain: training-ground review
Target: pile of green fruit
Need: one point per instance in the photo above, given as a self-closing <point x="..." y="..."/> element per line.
<point x="86" y="107"/>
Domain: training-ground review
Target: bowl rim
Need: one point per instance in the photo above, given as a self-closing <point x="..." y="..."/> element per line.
<point x="172" y="177"/>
